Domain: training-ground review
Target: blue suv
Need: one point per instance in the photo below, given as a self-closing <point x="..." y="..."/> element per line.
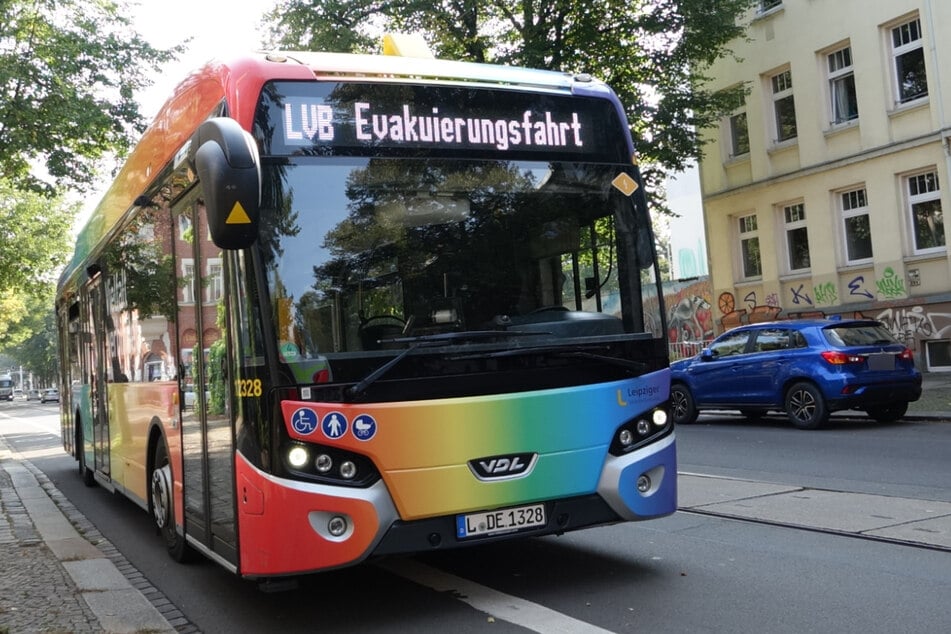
<point x="805" y="368"/>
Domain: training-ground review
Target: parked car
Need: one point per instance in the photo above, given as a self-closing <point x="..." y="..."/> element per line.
<point x="50" y="395"/>
<point x="805" y="368"/>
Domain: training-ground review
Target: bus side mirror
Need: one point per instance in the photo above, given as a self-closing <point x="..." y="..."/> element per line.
<point x="226" y="159"/>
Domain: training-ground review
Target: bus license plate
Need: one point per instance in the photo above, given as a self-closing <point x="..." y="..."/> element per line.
<point x="500" y="521"/>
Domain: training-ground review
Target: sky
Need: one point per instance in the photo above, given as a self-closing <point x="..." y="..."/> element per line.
<point x="222" y="28"/>
<point x="217" y="28"/>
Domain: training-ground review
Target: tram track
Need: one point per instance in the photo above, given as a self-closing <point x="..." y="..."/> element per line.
<point x="816" y="529"/>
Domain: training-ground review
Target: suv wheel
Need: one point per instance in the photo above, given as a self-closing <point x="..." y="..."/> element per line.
<point x="887" y="413"/>
<point x="805" y="406"/>
<point x="681" y="405"/>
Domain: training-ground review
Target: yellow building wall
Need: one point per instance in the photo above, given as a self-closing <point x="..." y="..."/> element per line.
<point x="875" y="151"/>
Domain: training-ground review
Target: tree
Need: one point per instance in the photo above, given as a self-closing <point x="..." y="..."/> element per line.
<point x="34" y="239"/>
<point x="69" y="71"/>
<point x="37" y="352"/>
<point x="654" y="53"/>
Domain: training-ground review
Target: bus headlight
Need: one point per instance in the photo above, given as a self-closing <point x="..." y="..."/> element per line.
<point x="297" y="456"/>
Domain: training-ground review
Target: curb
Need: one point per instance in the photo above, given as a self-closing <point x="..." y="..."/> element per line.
<point x="118" y="596"/>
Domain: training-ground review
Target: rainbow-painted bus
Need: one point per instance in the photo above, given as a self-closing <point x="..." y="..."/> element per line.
<point x="339" y="306"/>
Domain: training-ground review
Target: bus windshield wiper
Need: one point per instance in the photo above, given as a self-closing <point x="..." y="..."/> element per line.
<point x="416" y="342"/>
<point x="580" y="352"/>
<point x="465" y="335"/>
<point x="365" y="382"/>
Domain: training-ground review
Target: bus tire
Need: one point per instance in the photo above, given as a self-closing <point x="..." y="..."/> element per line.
<point x="162" y="505"/>
<point x="85" y="473"/>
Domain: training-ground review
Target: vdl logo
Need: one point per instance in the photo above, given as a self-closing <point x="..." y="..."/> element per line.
<point x="503" y="467"/>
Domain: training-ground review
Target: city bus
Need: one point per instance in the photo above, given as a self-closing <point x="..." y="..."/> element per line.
<point x="336" y="307"/>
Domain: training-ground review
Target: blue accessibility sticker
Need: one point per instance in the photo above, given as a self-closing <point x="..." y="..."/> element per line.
<point x="334" y="425"/>
<point x="304" y="421"/>
<point x="364" y="427"/>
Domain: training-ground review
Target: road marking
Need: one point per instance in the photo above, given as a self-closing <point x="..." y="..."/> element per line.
<point x="497" y="604"/>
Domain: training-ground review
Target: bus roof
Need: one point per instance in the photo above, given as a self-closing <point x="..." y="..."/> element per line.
<point x="239" y="82"/>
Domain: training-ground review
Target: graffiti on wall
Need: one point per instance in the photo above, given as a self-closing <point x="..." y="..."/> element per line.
<point x="890" y="286"/>
<point x="916" y="322"/>
<point x="689" y="311"/>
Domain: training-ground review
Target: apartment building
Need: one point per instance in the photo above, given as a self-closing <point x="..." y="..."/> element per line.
<point x="824" y="193"/>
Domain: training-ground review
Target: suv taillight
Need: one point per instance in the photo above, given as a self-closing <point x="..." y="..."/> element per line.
<point x="834" y="357"/>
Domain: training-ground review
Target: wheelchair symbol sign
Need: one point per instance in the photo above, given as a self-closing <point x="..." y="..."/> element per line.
<point x="304" y="421"/>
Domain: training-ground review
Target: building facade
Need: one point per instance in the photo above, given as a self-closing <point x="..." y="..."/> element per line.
<point x="824" y="193"/>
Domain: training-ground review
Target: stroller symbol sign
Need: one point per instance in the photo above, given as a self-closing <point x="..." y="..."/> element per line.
<point x="364" y="427"/>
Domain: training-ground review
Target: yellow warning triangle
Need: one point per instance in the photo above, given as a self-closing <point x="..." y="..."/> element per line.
<point x="238" y="216"/>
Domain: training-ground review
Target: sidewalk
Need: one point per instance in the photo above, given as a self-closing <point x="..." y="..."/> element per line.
<point x="55" y="579"/>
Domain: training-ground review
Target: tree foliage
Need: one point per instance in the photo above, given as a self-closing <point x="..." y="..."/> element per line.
<point x="69" y="72"/>
<point x="32" y="340"/>
<point x="654" y="53"/>
<point x="34" y="239"/>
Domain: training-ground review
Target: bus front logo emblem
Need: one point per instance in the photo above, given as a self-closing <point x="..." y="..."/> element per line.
<point x="503" y="467"/>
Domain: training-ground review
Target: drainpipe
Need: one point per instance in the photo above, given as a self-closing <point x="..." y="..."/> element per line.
<point x="942" y="121"/>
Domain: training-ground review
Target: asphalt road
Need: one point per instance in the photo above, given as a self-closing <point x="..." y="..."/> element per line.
<point x="686" y="573"/>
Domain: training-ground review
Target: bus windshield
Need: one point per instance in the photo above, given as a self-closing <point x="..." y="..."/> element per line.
<point x="370" y="254"/>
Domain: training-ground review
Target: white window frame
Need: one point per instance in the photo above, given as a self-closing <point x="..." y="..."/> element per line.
<point x="840" y="74"/>
<point x="746" y="230"/>
<point x="214" y="274"/>
<point x="793" y="219"/>
<point x="765" y="6"/>
<point x="903" y="38"/>
<point x="188" y="275"/>
<point x="921" y="188"/>
<point x="853" y="203"/>
<point x="780" y="87"/>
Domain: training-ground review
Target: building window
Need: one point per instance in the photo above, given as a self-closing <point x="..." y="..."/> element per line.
<point x="184" y="227"/>
<point x="766" y="5"/>
<point x="856" y="228"/>
<point x="797" y="237"/>
<point x="845" y="105"/>
<point x="215" y="281"/>
<point x="924" y="206"/>
<point x="909" y="58"/>
<point x="749" y="247"/>
<point x="739" y="135"/>
<point x="188" y="282"/>
<point x="784" y="110"/>
<point x="939" y="354"/>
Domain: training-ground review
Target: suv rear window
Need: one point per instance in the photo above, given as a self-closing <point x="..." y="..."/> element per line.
<point x="858" y="335"/>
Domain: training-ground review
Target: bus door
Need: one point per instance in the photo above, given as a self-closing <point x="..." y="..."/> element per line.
<point x="96" y="377"/>
<point x="207" y="432"/>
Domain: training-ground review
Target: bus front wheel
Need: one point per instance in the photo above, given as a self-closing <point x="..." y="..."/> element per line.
<point x="162" y="503"/>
